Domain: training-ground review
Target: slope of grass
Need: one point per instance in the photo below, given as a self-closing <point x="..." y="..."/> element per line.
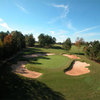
<point x="47" y="62"/>
<point x="83" y="87"/>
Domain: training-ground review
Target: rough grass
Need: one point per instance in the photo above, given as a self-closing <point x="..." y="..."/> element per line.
<point x="53" y="84"/>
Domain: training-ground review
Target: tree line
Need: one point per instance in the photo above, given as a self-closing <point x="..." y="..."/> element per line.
<point x="92" y="50"/>
<point x="15" y="41"/>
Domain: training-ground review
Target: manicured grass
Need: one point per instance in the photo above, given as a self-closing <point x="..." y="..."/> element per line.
<point x="57" y="49"/>
<point x="47" y="62"/>
<point x="83" y="87"/>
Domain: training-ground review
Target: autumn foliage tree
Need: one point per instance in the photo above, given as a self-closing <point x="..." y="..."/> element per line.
<point x="8" y="45"/>
<point x="8" y="40"/>
<point x="79" y="42"/>
<point x="2" y="35"/>
<point x="1" y="49"/>
<point x="11" y="43"/>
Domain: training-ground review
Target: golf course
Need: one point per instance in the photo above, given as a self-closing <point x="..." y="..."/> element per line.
<point x="49" y="49"/>
<point x="53" y="83"/>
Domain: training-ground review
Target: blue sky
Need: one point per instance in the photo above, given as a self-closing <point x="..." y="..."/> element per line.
<point x="58" y="18"/>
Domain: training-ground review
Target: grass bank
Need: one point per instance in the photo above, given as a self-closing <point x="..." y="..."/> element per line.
<point x="53" y="84"/>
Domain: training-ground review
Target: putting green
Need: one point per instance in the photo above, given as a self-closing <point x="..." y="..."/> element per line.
<point x="53" y="61"/>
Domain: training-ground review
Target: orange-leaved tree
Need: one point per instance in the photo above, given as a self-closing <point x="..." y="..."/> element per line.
<point x="79" y="42"/>
<point x="8" y="44"/>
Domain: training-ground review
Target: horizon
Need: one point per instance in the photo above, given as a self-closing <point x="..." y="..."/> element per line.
<point x="60" y="19"/>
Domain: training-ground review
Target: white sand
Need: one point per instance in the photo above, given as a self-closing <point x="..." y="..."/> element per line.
<point x="79" y="68"/>
<point x="19" y="68"/>
<point x="71" y="56"/>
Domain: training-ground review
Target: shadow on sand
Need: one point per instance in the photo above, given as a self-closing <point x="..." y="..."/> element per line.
<point x="70" y="67"/>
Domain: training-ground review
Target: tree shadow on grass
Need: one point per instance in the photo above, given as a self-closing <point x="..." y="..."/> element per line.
<point x="57" y="47"/>
<point x="35" y="59"/>
<point x="14" y="87"/>
<point x="33" y="51"/>
<point x="31" y="60"/>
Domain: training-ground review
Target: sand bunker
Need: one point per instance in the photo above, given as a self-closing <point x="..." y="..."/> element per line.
<point x="19" y="68"/>
<point x="71" y="56"/>
<point x="79" y="68"/>
<point x="37" y="55"/>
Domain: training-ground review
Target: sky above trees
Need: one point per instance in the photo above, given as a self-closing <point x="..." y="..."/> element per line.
<point x="58" y="18"/>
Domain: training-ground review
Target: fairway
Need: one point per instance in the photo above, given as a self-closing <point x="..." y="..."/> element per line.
<point x="53" y="61"/>
<point x="72" y="87"/>
<point x="58" y="85"/>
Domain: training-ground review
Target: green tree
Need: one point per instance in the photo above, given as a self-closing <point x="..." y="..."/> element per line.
<point x="18" y="41"/>
<point x="93" y="50"/>
<point x="53" y="40"/>
<point x="67" y="44"/>
<point x="30" y="40"/>
<point x="41" y="39"/>
<point x="46" y="40"/>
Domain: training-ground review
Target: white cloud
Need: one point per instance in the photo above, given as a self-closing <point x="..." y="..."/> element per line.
<point x="59" y="32"/>
<point x="5" y="25"/>
<point x="22" y="8"/>
<point x="52" y="32"/>
<point x="88" y="34"/>
<point x="63" y="14"/>
<point x="1" y="20"/>
<point x="69" y="26"/>
<point x="84" y="33"/>
<point x="65" y="7"/>
<point x="61" y="38"/>
<point x="88" y="29"/>
<point x="61" y="35"/>
<point x="63" y="32"/>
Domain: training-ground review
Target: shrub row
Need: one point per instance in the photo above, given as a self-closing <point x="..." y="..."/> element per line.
<point x="92" y="50"/>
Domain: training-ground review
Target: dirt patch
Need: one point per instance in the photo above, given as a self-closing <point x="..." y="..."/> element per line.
<point x="71" y="56"/>
<point x="78" y="68"/>
<point x="19" y="68"/>
<point x="37" y="55"/>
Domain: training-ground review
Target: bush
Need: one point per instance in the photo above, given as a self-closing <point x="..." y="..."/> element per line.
<point x="30" y="40"/>
<point x="93" y="50"/>
<point x="18" y="41"/>
<point x="67" y="44"/>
